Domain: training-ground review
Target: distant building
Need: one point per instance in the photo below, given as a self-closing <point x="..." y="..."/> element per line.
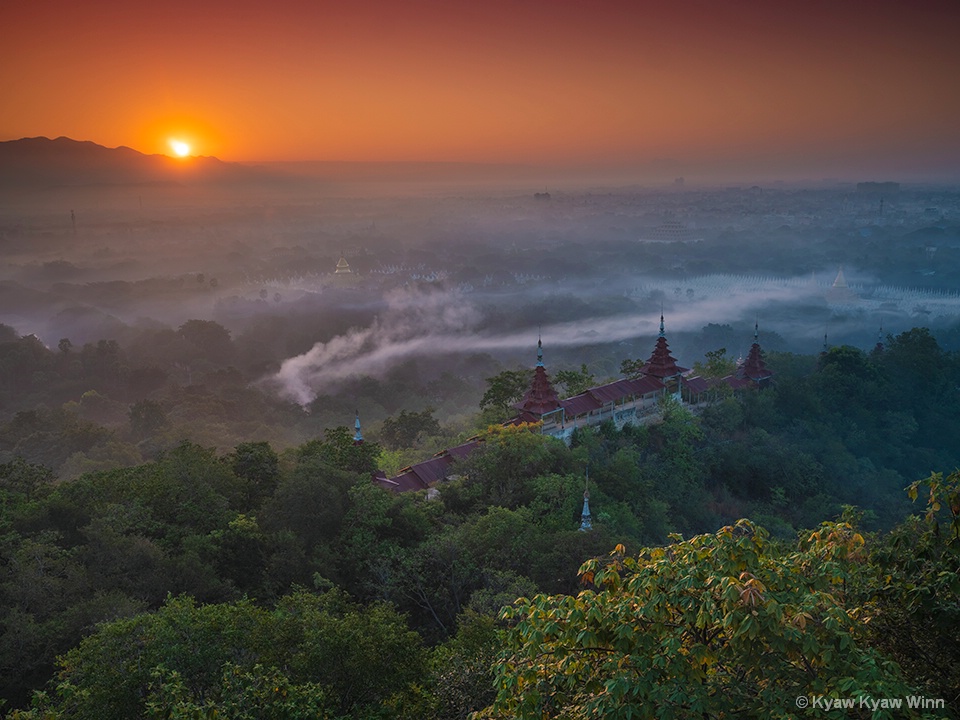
<point x="840" y="293"/>
<point x="344" y="276"/>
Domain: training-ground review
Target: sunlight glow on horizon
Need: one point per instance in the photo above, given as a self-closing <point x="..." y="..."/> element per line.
<point x="179" y="147"/>
<point x="817" y="90"/>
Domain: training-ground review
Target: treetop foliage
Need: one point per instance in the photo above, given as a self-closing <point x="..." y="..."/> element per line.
<point x="728" y="624"/>
<point x="311" y="656"/>
<point x="119" y="540"/>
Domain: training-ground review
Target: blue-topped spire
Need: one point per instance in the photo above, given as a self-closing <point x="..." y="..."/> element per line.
<point x="662" y="334"/>
<point x="756" y="330"/>
<point x="539" y="351"/>
<point x="586" y="522"/>
<point x="357" y="436"/>
<point x="879" y="348"/>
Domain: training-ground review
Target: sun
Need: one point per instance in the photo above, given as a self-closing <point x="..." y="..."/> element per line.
<point x="179" y="147"/>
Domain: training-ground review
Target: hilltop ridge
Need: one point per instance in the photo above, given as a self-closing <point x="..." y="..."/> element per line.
<point x="40" y="161"/>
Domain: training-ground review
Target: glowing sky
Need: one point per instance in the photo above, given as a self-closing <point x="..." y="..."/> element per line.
<point x="798" y="85"/>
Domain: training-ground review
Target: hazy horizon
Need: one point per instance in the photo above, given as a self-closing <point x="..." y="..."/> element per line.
<point x="449" y="175"/>
<point x="711" y="92"/>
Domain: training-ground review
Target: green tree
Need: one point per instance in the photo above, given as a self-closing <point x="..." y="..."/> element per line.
<point x="503" y="390"/>
<point x="508" y="460"/>
<point x="147" y="417"/>
<point x="379" y="528"/>
<point x="462" y="667"/>
<point x="312" y="656"/>
<point x="632" y="368"/>
<point x="575" y="382"/>
<point x="241" y="554"/>
<point x="259" y="465"/>
<point x="103" y="361"/>
<point x="722" y="625"/>
<point x="211" y="339"/>
<point x="916" y="590"/>
<point x="405" y="430"/>
<point x="337" y="449"/>
<point x="311" y="501"/>
<point x="718" y="365"/>
<point x="49" y="437"/>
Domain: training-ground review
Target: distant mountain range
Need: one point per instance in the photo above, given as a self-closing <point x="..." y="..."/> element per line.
<point x="41" y="161"/>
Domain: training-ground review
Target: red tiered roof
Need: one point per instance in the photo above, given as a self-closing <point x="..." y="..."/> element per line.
<point x="754" y="368"/>
<point x="541" y="398"/>
<point x="661" y="363"/>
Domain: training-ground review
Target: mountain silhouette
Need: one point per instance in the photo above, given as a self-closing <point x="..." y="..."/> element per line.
<point x="41" y="161"/>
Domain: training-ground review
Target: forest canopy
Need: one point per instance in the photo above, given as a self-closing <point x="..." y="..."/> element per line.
<point x="278" y="580"/>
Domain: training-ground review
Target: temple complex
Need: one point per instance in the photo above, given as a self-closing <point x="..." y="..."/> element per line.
<point x="626" y="401"/>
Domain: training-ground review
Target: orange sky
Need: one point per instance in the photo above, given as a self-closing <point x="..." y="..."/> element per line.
<point x="811" y="86"/>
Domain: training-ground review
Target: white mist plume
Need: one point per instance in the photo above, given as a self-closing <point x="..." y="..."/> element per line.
<point x="419" y="323"/>
<point x="414" y="323"/>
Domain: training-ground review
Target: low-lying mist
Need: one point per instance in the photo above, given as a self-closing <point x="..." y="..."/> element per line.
<point x="478" y="268"/>
<point x="431" y="322"/>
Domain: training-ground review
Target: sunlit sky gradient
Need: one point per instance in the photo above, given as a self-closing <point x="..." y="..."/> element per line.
<point x="834" y="87"/>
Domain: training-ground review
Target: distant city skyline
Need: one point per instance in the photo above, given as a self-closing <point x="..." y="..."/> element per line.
<point x="737" y="89"/>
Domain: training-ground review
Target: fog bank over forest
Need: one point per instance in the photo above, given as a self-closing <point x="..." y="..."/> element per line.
<point x="455" y="263"/>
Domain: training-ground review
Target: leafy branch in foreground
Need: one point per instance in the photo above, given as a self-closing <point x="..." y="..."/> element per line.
<point x="722" y="625"/>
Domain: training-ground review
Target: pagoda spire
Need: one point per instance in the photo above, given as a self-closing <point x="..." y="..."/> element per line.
<point x="662" y="364"/>
<point x="840" y="281"/>
<point x="754" y="368"/>
<point x="586" y="521"/>
<point x="357" y="436"/>
<point x="343" y="267"/>
<point x="879" y="347"/>
<point x="541" y="398"/>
